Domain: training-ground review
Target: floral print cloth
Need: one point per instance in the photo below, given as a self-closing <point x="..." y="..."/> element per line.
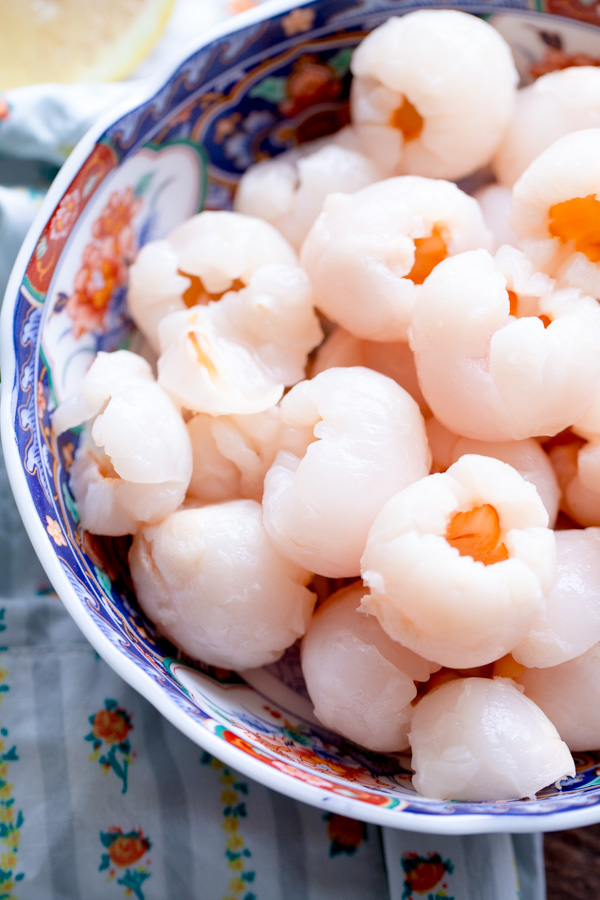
<point x="100" y="797"/>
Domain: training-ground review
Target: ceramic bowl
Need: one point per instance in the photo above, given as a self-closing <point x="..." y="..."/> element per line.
<point x="258" y="84"/>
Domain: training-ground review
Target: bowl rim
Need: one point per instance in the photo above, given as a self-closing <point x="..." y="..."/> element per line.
<point x="451" y="824"/>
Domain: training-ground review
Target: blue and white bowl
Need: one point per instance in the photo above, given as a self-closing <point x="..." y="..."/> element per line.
<point x="255" y="86"/>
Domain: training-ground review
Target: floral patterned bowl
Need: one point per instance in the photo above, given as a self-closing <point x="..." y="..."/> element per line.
<point x="266" y="81"/>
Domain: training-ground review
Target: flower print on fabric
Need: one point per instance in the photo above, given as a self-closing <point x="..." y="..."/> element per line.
<point x="345" y="834"/>
<point x="11" y="818"/>
<point x="423" y="874"/>
<point x="126" y="851"/>
<point x="110" y="730"/>
<point x="104" y="262"/>
<point x="234" y="810"/>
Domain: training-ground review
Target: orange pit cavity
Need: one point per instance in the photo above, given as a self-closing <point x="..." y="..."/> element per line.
<point x="578" y="220"/>
<point x="436" y="680"/>
<point x="566" y="438"/>
<point x="514" y="309"/>
<point x="476" y="533"/>
<point x="429" y="251"/>
<point x="107" y="471"/>
<point x="507" y="667"/>
<point x="407" y="120"/>
<point x="197" y="295"/>
<point x="202" y="354"/>
<point x="444" y="675"/>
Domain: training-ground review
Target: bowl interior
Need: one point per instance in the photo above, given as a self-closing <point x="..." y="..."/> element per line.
<point x="247" y="94"/>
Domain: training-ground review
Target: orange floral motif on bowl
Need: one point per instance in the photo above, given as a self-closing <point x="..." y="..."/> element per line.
<point x="576" y="9"/>
<point x="310" y="82"/>
<point x="54" y="236"/>
<point x="104" y="262"/>
<point x="55" y="532"/>
<point x="298" y="21"/>
<point x="65" y="216"/>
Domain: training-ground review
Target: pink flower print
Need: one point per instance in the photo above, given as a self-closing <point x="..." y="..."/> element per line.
<point x="41" y="399"/>
<point x="226" y="127"/>
<point x="65" y="215"/>
<point x="68" y="452"/>
<point x="53" y="529"/>
<point x="298" y="21"/>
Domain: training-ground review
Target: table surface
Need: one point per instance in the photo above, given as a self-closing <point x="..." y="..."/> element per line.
<point x="572" y="860"/>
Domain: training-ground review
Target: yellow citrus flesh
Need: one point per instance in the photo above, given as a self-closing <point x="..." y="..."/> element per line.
<point x="476" y="533"/>
<point x="76" y="40"/>
<point x="429" y="251"/>
<point x="407" y="120"/>
<point x="578" y="220"/>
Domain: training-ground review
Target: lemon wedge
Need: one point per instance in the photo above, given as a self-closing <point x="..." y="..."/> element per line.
<point x="76" y="40"/>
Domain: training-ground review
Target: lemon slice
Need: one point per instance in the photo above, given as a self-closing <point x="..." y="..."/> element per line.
<point x="76" y="40"/>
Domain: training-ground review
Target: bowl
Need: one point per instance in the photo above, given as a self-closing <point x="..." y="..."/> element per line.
<point x="263" y="82"/>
